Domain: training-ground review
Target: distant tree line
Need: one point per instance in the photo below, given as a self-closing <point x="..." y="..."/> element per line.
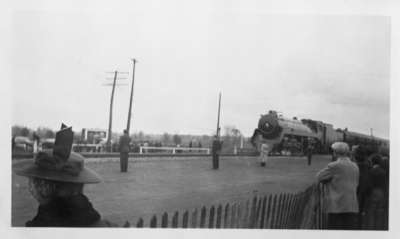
<point x="42" y="132"/>
<point x="231" y="138"/>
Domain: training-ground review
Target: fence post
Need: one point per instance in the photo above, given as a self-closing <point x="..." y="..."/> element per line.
<point x="211" y="218"/>
<point x="175" y="220"/>
<point x="233" y="216"/>
<point x="300" y="209"/>
<point x="258" y="213"/>
<point x="194" y="218"/>
<point x="307" y="203"/>
<point x="294" y="211"/>
<point x="226" y="215"/>
<point x="279" y="215"/>
<point x="127" y="224"/>
<point x="289" y="203"/>
<point x="278" y="210"/>
<point x="219" y="216"/>
<point x="253" y="212"/>
<point x="307" y="219"/>
<point x="298" y="216"/>
<point x="282" y="212"/>
<point x="284" y="205"/>
<point x="185" y="219"/>
<point x="203" y="217"/>
<point x="273" y="214"/>
<point x="153" y="222"/>
<point x="239" y="216"/>
<point x="139" y="223"/>
<point x="262" y="217"/>
<point x="317" y="222"/>
<point x="289" y="206"/>
<point x="164" y="220"/>
<point x="318" y="209"/>
<point x="268" y="215"/>
<point x="245" y="223"/>
<point x="323" y="213"/>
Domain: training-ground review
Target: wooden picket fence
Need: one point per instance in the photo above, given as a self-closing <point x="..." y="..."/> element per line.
<point x="283" y="211"/>
<point x="303" y="210"/>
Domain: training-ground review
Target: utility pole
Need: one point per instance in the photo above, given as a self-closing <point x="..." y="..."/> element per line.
<point x="217" y="144"/>
<point x="130" y="102"/>
<point x="111" y="108"/>
<point x="219" y="112"/>
<point x="371" y="130"/>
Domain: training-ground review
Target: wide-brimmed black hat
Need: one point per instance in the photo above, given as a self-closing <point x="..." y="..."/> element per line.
<point x="59" y="164"/>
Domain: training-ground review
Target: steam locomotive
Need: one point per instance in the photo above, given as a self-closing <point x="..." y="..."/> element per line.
<point x="293" y="136"/>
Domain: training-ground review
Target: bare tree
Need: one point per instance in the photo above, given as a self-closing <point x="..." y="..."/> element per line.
<point x="166" y="138"/>
<point x="177" y="139"/>
<point x="25" y="131"/>
<point x="231" y="138"/>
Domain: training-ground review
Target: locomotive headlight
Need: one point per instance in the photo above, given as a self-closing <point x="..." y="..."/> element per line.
<point x="269" y="126"/>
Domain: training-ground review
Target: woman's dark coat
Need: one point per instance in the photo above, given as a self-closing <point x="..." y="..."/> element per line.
<point x="74" y="211"/>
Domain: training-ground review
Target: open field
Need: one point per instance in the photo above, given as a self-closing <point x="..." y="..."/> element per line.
<point x="158" y="185"/>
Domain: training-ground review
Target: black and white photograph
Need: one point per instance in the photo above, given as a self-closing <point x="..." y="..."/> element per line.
<point x="200" y="116"/>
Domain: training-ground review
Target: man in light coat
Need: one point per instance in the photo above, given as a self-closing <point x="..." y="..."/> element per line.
<point x="341" y="180"/>
<point x="264" y="151"/>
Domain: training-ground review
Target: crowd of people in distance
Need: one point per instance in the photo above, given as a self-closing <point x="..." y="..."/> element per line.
<point x="357" y="184"/>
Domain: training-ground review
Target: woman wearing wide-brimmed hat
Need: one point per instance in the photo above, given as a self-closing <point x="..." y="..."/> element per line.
<point x="56" y="180"/>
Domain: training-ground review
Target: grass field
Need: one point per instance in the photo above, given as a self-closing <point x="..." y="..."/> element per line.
<point x="158" y="185"/>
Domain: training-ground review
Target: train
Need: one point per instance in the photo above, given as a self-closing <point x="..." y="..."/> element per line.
<point x="291" y="136"/>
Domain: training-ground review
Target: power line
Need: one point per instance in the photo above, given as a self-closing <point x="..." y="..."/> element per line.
<point x="119" y="72"/>
<point x="112" y="78"/>
<point x="113" y="84"/>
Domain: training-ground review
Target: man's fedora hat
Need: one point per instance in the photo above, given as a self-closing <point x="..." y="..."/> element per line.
<point x="60" y="164"/>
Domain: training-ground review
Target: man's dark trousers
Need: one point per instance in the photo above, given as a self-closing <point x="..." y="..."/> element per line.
<point x="342" y="221"/>
<point x="215" y="161"/>
<point x="124" y="161"/>
<point x="216" y="148"/>
<point x="309" y="156"/>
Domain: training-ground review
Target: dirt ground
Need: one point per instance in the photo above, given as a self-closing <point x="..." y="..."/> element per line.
<point x="164" y="185"/>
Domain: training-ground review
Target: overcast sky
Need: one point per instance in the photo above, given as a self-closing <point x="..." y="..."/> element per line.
<point x="329" y="68"/>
